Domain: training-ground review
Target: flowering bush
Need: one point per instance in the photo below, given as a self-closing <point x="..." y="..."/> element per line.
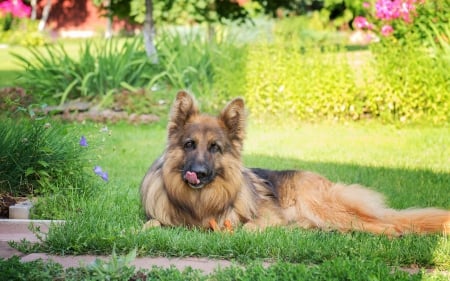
<point x="411" y="60"/>
<point x="11" y="9"/>
<point x="387" y="12"/>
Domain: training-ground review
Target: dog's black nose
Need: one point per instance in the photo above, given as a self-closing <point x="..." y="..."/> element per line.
<point x="201" y="171"/>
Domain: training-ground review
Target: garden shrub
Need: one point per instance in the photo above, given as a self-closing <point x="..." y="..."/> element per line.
<point x="212" y="68"/>
<point x="305" y="83"/>
<point x="186" y="61"/>
<point x="40" y="158"/>
<point x="100" y="69"/>
<point x="405" y="79"/>
<point x="409" y="85"/>
<point x="411" y="64"/>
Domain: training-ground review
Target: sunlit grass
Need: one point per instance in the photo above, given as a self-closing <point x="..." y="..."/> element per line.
<point x="385" y="158"/>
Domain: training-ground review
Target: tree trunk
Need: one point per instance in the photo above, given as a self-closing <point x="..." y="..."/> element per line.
<point x="45" y="14"/>
<point x="149" y="32"/>
<point x="109" y="19"/>
<point x="33" y="9"/>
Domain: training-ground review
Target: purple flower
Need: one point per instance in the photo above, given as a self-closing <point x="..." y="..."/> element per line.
<point x="83" y="141"/>
<point x="99" y="172"/>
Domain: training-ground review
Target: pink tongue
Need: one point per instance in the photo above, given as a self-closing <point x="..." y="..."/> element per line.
<point x="191" y="177"/>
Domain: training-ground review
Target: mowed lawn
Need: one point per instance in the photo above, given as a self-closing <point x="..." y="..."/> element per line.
<point x="409" y="165"/>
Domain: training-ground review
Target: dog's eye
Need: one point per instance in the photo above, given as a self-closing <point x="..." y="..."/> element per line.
<point x="189" y="145"/>
<point x="214" y="147"/>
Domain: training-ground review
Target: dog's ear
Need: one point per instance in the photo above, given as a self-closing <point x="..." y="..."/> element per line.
<point x="183" y="108"/>
<point x="233" y="117"/>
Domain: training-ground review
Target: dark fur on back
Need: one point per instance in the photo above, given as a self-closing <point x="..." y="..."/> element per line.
<point x="200" y="177"/>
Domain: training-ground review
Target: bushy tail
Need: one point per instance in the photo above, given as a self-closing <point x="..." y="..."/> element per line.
<point x="422" y="221"/>
<point x="365" y="210"/>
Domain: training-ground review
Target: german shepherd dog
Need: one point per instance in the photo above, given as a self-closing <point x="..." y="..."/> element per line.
<point x="200" y="180"/>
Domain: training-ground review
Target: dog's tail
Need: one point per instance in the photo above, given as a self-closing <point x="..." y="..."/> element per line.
<point x="422" y="221"/>
<point x="366" y="211"/>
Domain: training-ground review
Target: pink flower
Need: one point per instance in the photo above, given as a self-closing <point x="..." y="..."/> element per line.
<point x="386" y="30"/>
<point x="366" y="5"/>
<point x="361" y="23"/>
<point x="394" y="9"/>
<point x="16" y="7"/>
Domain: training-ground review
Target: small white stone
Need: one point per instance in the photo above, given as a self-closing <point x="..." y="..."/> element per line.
<point x="20" y="210"/>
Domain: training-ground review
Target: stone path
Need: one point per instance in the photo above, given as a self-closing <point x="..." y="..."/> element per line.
<point x="17" y="230"/>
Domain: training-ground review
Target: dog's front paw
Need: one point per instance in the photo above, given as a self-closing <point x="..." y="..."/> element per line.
<point x="151" y="224"/>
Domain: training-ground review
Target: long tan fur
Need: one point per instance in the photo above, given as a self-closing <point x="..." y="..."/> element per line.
<point x="254" y="197"/>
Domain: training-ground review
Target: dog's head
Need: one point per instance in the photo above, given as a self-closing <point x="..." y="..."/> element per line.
<point x="203" y="147"/>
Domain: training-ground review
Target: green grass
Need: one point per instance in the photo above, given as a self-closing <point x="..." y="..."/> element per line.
<point x="408" y="165"/>
<point x="118" y="269"/>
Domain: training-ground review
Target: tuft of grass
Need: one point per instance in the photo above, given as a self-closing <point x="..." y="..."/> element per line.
<point x="39" y="157"/>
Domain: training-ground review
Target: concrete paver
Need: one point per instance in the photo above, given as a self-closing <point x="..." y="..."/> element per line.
<point x="17" y="230"/>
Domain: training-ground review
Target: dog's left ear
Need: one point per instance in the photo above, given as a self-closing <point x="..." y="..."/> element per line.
<point x="233" y="117"/>
<point x="183" y="108"/>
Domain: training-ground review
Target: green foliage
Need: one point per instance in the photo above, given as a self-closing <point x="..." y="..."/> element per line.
<point x="433" y="24"/>
<point x="312" y="29"/>
<point x="303" y="83"/>
<point x="212" y="69"/>
<point x="309" y="79"/>
<point x="187" y="61"/>
<point x="38" y="157"/>
<point x="411" y="68"/>
<point x="409" y="84"/>
<point x="22" y="32"/>
<point x="117" y="268"/>
<point x="14" y="270"/>
<point x="100" y="69"/>
<point x="298" y="72"/>
<point x="341" y="12"/>
<point x="337" y="269"/>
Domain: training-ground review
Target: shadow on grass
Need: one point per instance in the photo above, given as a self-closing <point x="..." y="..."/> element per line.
<point x="121" y="219"/>
<point x="403" y="188"/>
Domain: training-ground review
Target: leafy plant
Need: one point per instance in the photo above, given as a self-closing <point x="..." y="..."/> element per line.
<point x="14" y="269"/>
<point x="212" y="68"/>
<point x="99" y="70"/>
<point x="116" y="268"/>
<point x="39" y="157"/>
<point x="302" y="82"/>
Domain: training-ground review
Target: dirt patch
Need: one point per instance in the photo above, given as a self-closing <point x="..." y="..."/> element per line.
<point x="14" y="99"/>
